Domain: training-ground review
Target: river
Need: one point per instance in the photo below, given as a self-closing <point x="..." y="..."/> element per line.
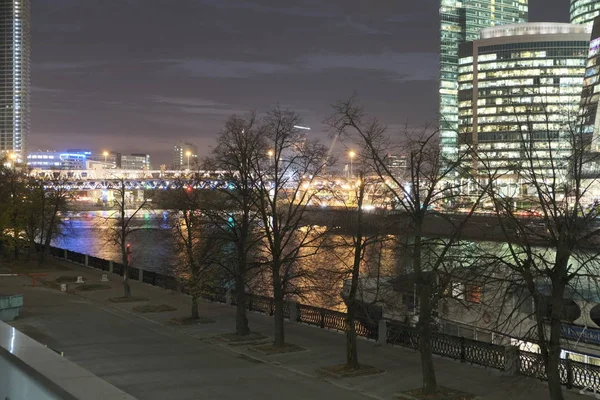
<point x="153" y="250"/>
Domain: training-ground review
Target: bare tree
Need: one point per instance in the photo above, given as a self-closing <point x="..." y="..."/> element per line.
<point x="286" y="187"/>
<point x="428" y="183"/>
<point x="122" y="225"/>
<point x="198" y="242"/>
<point x="54" y="198"/>
<point x="239" y="148"/>
<point x="359" y="266"/>
<point x="549" y="223"/>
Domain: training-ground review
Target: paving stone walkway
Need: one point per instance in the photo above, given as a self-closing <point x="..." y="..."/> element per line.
<point x="146" y="356"/>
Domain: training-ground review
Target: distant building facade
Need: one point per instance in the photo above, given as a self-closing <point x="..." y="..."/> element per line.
<point x="108" y="158"/>
<point x="519" y="91"/>
<point x="53" y="160"/>
<point x="15" y="60"/>
<point x="396" y="164"/>
<point x="185" y="155"/>
<point x="134" y="161"/>
<point x="584" y="11"/>
<point x="461" y="22"/>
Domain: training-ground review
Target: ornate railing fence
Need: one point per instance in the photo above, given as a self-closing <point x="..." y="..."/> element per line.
<point x="573" y="374"/>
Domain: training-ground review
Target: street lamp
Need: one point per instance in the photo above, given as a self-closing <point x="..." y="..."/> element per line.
<point x="351" y="154"/>
<point x="188" y="154"/>
<point x="13" y="157"/>
<point x="271" y="153"/>
<point x="105" y="154"/>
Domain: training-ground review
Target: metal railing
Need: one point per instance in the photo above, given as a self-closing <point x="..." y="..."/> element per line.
<point x="573" y="374"/>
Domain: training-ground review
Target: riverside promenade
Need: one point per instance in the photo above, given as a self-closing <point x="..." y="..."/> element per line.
<point x="149" y="358"/>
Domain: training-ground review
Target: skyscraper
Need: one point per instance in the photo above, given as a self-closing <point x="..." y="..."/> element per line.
<point x="15" y="49"/>
<point x="590" y="96"/>
<point x="461" y="21"/>
<point x="519" y="91"/>
<point x="584" y="11"/>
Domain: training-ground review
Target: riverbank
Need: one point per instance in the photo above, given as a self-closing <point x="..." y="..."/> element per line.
<point x="147" y="356"/>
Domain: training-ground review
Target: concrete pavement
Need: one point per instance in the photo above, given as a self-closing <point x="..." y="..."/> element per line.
<point x="151" y="359"/>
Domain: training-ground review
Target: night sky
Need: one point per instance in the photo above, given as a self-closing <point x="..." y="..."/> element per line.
<point x="140" y="75"/>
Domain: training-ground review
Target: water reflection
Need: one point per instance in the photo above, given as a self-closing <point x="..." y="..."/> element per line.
<point x="153" y="249"/>
<point x="87" y="232"/>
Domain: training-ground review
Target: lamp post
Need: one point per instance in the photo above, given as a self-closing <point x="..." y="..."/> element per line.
<point x="188" y="154"/>
<point x="351" y="154"/>
<point x="105" y="154"/>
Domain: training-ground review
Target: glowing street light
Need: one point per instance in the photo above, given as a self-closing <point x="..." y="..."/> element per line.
<point x="351" y="154"/>
<point x="271" y="153"/>
<point x="188" y="154"/>
<point x="13" y="158"/>
<point x="105" y="154"/>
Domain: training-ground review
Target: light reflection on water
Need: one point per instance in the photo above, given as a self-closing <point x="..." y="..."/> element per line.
<point x="153" y="250"/>
<point x="88" y="233"/>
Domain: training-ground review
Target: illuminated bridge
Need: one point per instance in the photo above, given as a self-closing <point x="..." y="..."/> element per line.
<point x="90" y="180"/>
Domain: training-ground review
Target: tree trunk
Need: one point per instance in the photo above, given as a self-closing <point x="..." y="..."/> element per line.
<point x="241" y="321"/>
<point x="424" y="327"/>
<point x="553" y="366"/>
<point x="278" y="334"/>
<point x="194" y="314"/>
<point x="126" y="288"/>
<point x="553" y="360"/>
<point x="351" y="344"/>
<point x="278" y="330"/>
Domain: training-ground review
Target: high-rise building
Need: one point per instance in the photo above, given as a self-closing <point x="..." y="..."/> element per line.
<point x="461" y="21"/>
<point x="584" y="11"/>
<point x="589" y="124"/>
<point x="185" y="155"/>
<point x="519" y="90"/>
<point x="15" y="49"/>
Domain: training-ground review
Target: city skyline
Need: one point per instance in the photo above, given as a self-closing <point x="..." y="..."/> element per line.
<point x="137" y="89"/>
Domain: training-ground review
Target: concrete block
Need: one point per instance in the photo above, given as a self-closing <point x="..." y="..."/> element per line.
<point x="10" y="306"/>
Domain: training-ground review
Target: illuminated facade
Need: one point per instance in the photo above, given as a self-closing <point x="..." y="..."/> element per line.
<point x="52" y="160"/>
<point x="584" y="11"/>
<point x="15" y="52"/>
<point x="185" y="155"/>
<point x="590" y="95"/>
<point x="461" y="21"/>
<point x="519" y="88"/>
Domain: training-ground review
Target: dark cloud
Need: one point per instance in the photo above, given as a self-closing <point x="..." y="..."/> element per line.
<point x="139" y="75"/>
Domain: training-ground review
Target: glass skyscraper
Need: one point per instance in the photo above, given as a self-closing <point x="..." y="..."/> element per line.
<point x="590" y="95"/>
<point x="519" y="91"/>
<point x="584" y="11"/>
<point x="461" y="21"/>
<point x="15" y="58"/>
